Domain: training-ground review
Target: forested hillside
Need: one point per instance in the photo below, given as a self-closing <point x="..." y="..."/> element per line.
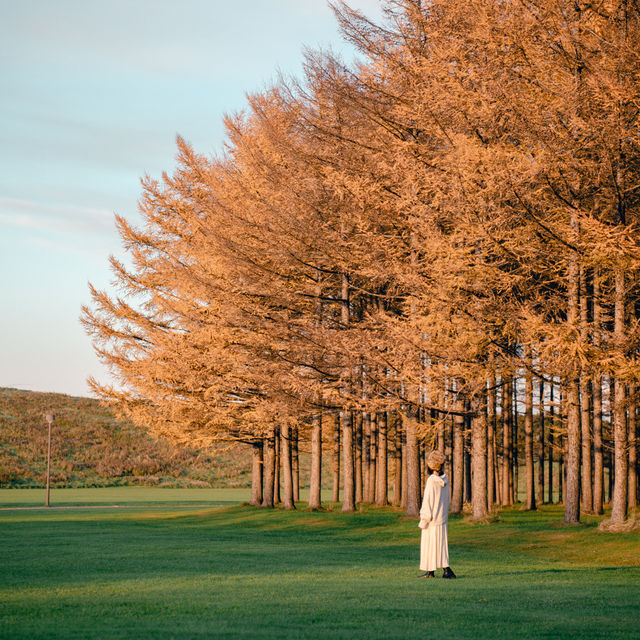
<point x="90" y="447"/>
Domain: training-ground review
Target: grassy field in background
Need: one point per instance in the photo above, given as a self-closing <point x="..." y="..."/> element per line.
<point x="239" y="572"/>
<point x="126" y="496"/>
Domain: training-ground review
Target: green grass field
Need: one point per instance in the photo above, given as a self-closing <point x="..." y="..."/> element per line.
<point x="179" y="570"/>
<point x="122" y="496"/>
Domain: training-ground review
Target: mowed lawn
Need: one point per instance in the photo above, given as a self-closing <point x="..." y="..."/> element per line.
<point x="182" y="570"/>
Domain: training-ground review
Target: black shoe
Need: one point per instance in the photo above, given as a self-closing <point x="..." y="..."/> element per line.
<point x="448" y="573"/>
<point x="428" y="574"/>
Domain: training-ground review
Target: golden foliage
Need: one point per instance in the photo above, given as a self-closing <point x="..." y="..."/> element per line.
<point x="374" y="233"/>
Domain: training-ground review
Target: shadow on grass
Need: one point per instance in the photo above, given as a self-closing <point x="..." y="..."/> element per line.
<point x="240" y="572"/>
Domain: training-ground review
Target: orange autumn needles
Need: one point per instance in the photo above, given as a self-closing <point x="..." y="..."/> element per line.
<point x="390" y="256"/>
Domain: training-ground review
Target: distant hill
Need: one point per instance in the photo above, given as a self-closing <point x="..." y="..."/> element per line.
<point x="91" y="448"/>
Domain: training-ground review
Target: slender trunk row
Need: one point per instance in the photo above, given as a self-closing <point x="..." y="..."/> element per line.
<point x="380" y="458"/>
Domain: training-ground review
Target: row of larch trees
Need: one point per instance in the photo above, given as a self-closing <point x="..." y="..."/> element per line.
<point x="435" y="246"/>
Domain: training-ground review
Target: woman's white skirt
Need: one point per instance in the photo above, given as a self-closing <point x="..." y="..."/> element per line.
<point x="434" y="547"/>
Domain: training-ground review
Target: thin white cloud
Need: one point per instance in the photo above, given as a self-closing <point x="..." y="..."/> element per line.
<point x="37" y="216"/>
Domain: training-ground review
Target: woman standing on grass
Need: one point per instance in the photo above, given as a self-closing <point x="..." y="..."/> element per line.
<point x="434" y="543"/>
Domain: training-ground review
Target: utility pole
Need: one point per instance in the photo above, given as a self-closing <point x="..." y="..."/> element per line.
<point x="49" y="417"/>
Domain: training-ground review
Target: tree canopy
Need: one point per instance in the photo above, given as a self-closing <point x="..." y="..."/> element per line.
<point x="393" y="245"/>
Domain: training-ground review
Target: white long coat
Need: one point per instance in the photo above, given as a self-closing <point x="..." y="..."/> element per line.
<point x="434" y="513"/>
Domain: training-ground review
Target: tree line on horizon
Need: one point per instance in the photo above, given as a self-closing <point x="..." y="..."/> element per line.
<point x="434" y="246"/>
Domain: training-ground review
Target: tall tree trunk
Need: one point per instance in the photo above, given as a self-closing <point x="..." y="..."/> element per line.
<point x="619" y="502"/>
<point x="295" y="464"/>
<point x="420" y="447"/>
<point x="256" y="473"/>
<point x="335" y="459"/>
<point x="315" y="475"/>
<point x="598" y="462"/>
<point x="561" y="447"/>
<point x="287" y="473"/>
<point x="572" y="493"/>
<point x="506" y="439"/>
<point x="507" y="462"/>
<point x="633" y="452"/>
<point x="278" y="449"/>
<point x="541" y="441"/>
<point x="404" y="484"/>
<point x="479" y="500"/>
<point x="515" y="425"/>
<point x="496" y="447"/>
<point x="413" y="475"/>
<point x="269" y="468"/>
<point x="596" y="395"/>
<point x="397" y="465"/>
<point x="315" y="480"/>
<point x="346" y="417"/>
<point x="457" y="480"/>
<point x="440" y="444"/>
<point x="572" y="463"/>
<point x="610" y="477"/>
<point x="491" y="445"/>
<point x="358" y="455"/>
<point x="373" y="457"/>
<point x="561" y="470"/>
<point x="382" y="485"/>
<point x="608" y="437"/>
<point x="528" y="437"/>
<point x="585" y="403"/>
<point x="349" y="488"/>
<point x="366" y="454"/>
<point x="552" y="426"/>
<point x="467" y="460"/>
<point x="448" y="430"/>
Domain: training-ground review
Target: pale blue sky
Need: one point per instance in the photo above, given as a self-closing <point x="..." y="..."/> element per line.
<point x="92" y="95"/>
